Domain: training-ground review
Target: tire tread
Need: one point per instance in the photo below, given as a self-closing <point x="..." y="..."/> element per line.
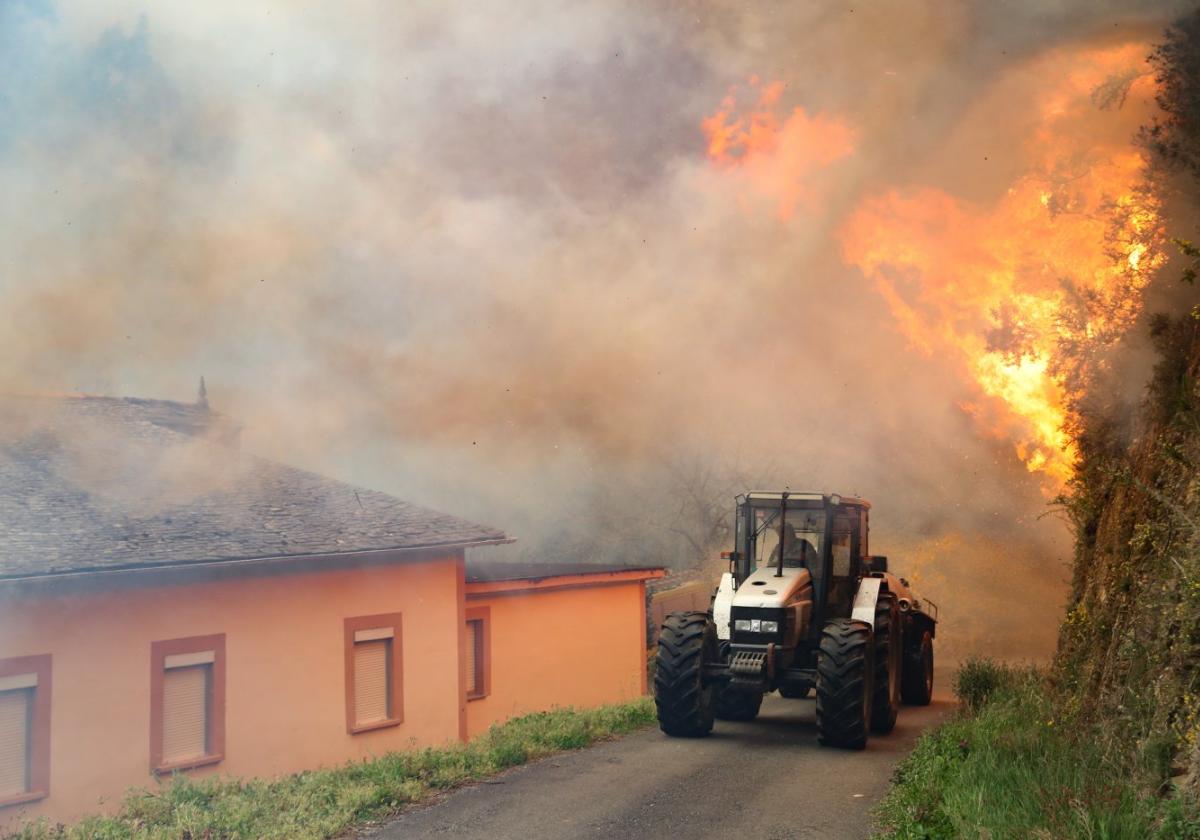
<point x="683" y="703"/>
<point x="842" y="670"/>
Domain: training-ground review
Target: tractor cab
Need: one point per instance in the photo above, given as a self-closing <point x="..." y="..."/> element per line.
<point x="802" y="607"/>
<point x="826" y="535"/>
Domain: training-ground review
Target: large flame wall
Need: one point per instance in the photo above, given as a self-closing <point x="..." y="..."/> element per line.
<point x="1015" y="287"/>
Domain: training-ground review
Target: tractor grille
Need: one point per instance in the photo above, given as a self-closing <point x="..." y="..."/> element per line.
<point x="748" y="664"/>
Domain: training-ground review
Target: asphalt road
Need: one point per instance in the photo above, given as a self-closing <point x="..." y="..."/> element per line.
<point x="767" y="779"/>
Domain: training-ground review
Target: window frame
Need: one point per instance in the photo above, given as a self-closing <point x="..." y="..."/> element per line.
<point x="483" y="659"/>
<point x="39" y="727"/>
<point x="159" y="651"/>
<point x="374" y="622"/>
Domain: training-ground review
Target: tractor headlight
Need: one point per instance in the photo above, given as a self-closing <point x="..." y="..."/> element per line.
<point x="770" y="627"/>
<point x="756" y="625"/>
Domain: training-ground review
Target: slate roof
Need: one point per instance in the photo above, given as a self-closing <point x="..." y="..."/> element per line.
<point x="94" y="483"/>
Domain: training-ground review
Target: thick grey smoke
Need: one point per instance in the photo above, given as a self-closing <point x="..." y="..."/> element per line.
<point x="474" y="255"/>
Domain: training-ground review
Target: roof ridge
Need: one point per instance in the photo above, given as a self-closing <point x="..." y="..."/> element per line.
<point x="141" y="502"/>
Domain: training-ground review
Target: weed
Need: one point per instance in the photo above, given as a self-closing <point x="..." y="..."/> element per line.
<point x="978" y="679"/>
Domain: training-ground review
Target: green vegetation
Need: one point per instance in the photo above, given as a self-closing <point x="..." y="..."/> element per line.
<point x="1008" y="765"/>
<point x="327" y="803"/>
<point x="978" y="679"/>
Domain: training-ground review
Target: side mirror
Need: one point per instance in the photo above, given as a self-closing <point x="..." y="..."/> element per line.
<point x="733" y="557"/>
<point x="877" y="563"/>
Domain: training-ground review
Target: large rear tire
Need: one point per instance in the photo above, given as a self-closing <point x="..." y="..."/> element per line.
<point x="918" y="671"/>
<point x="737" y="705"/>
<point x="889" y="652"/>
<point x="685" y="704"/>
<point x="845" y="677"/>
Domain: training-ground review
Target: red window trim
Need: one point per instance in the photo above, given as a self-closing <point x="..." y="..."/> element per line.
<point x="39" y="729"/>
<point x="483" y="659"/>
<point x="372" y="622"/>
<point x="159" y="651"/>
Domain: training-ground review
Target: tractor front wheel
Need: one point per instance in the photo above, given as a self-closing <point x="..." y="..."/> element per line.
<point x="687" y="643"/>
<point x="889" y="652"/>
<point x="845" y="684"/>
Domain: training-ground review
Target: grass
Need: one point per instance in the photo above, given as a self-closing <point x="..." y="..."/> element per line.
<point x="328" y="803"/>
<point x="1005" y="767"/>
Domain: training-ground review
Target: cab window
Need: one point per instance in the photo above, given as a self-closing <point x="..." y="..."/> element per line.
<point x="841" y="544"/>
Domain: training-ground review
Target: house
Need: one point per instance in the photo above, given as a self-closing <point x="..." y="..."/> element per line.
<point x="171" y="604"/>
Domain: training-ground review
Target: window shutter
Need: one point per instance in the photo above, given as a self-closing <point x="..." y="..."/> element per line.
<point x="473" y="640"/>
<point x="372" y="678"/>
<point x="15" y="709"/>
<point x="185" y="712"/>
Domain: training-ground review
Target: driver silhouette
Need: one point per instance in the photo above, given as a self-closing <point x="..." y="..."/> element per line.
<point x="797" y="552"/>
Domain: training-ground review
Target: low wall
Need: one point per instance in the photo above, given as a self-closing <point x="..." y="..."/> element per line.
<point x="695" y="596"/>
<point x="577" y="645"/>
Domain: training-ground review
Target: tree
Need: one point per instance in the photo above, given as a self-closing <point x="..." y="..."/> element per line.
<point x="1174" y="136"/>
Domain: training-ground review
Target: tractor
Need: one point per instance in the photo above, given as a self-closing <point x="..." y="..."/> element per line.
<point x="803" y="606"/>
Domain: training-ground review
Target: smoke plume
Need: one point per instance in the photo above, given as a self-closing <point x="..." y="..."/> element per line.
<point x="487" y="257"/>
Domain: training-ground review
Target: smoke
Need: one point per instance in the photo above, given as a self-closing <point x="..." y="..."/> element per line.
<point x="476" y="256"/>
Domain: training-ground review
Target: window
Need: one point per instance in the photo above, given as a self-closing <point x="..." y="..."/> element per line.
<point x="374" y="676"/>
<point x="840" y="539"/>
<point x="479" y="653"/>
<point x="16" y="706"/>
<point x="24" y="729"/>
<point x="803" y="529"/>
<point x="187" y="702"/>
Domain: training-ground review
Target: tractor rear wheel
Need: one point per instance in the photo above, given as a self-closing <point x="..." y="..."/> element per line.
<point x="688" y="642"/>
<point x="793" y="693"/>
<point x="737" y="705"/>
<point x="889" y="653"/>
<point x="918" y="671"/>
<point x="845" y="677"/>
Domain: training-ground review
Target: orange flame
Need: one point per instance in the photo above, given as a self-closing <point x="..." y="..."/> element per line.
<point x="1014" y="287"/>
<point x="1017" y="290"/>
<point x="778" y="159"/>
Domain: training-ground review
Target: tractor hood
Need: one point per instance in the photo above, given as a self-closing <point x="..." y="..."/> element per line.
<point x="764" y="590"/>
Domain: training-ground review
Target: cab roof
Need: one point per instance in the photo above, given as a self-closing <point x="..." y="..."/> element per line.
<point x="829" y="498"/>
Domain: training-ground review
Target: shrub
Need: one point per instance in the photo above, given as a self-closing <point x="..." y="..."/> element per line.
<point x="978" y="679"/>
